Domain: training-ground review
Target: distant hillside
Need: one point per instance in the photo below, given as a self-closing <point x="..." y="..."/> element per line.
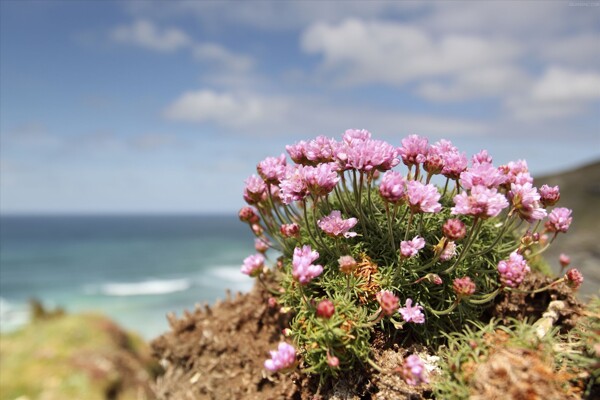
<point x="580" y="191"/>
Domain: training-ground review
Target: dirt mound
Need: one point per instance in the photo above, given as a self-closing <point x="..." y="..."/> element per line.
<point x="218" y="353"/>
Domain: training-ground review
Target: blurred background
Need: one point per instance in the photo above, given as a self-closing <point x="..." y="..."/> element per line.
<point x="127" y="129"/>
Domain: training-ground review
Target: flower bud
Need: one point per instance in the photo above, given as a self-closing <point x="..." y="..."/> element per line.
<point x="332" y="361"/>
<point x="549" y="196"/>
<point x="257" y="229"/>
<point x="290" y="230"/>
<point x="454" y="229"/>
<point x="347" y="264"/>
<point x="325" y="309"/>
<point x="388" y="302"/>
<point x="564" y="260"/>
<point x="463" y="287"/>
<point x="247" y="214"/>
<point x="434" y="164"/>
<point x="272" y="302"/>
<point x="573" y="278"/>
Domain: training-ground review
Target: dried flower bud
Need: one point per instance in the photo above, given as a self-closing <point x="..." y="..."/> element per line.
<point x="325" y="309"/>
<point x="454" y="229"/>
<point x="573" y="278"/>
<point x="272" y="302"/>
<point x="347" y="264"/>
<point x="463" y="287"/>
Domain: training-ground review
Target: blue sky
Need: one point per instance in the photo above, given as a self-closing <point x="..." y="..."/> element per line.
<point x="149" y="107"/>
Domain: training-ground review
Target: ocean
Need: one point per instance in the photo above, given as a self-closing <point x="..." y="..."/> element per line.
<point x="135" y="269"/>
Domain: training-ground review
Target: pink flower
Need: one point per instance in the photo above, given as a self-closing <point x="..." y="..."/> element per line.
<point x="293" y="187"/>
<point x="454" y="229"/>
<point x="564" y="260"/>
<point x="516" y="172"/>
<point x="413" y="371"/>
<point x="481" y="202"/>
<point x="574" y="278"/>
<point x="297" y="152"/>
<point x="412" y="314"/>
<point x="354" y="136"/>
<point x="559" y="220"/>
<point x="449" y="251"/>
<point x="481" y="158"/>
<point x="320" y="150"/>
<point x="261" y="245"/>
<point x="423" y="198"/>
<point x="332" y="361"/>
<point x="290" y="230"/>
<point x="549" y="195"/>
<point x="525" y="199"/>
<point x="281" y="359"/>
<point x="347" y="264"/>
<point x="454" y="164"/>
<point x="463" y="287"/>
<point x="325" y="309"/>
<point x="388" y="302"/>
<point x="434" y="164"/>
<point x="272" y="169"/>
<point x="392" y="187"/>
<point x="335" y="226"/>
<point x="321" y="179"/>
<point x="414" y="150"/>
<point x="513" y="271"/>
<point x="410" y="248"/>
<point x="303" y="268"/>
<point x="255" y="190"/>
<point x="483" y="175"/>
<point x="253" y="265"/>
<point x="371" y="155"/>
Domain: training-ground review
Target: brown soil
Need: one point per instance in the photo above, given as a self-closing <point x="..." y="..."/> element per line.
<point x="218" y="353"/>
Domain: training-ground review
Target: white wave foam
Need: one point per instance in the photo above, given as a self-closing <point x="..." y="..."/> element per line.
<point x="150" y="287"/>
<point x="12" y="316"/>
<point x="229" y="273"/>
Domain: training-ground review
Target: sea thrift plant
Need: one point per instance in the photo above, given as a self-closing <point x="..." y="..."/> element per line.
<point x="364" y="241"/>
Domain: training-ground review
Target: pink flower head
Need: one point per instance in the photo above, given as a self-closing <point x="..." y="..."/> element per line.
<point x="392" y="187"/>
<point x="290" y="230"/>
<point x="414" y="150"/>
<point x="388" y="302"/>
<point x="347" y="264"/>
<point x="335" y="226"/>
<point x="255" y="190"/>
<point x="371" y="155"/>
<point x="297" y="152"/>
<point x="564" y="260"/>
<point x="303" y="268"/>
<point x="410" y="248"/>
<point x="325" y="309"/>
<point x="515" y="171"/>
<point x="413" y="370"/>
<point x="272" y="169"/>
<point x="574" y="278"/>
<point x="525" y="199"/>
<point x="559" y="220"/>
<point x="463" y="287"/>
<point x="422" y="198"/>
<point x="483" y="175"/>
<point x="253" y="265"/>
<point x="454" y="164"/>
<point x="321" y="179"/>
<point x="549" y="195"/>
<point x="481" y="158"/>
<point x="513" y="271"/>
<point x="412" y="314"/>
<point x="449" y="251"/>
<point x="261" y="244"/>
<point x="293" y="187"/>
<point x="320" y="150"/>
<point x="281" y="359"/>
<point x="354" y="136"/>
<point x="247" y="214"/>
<point x="454" y="229"/>
<point x="482" y="202"/>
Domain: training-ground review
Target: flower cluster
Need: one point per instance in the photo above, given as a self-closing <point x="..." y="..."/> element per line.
<point x="358" y="224"/>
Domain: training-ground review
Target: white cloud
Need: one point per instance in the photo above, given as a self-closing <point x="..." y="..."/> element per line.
<point x="225" y="109"/>
<point x="215" y="53"/>
<point x="145" y="34"/>
<point x="362" y="52"/>
<point x="558" y="93"/>
<point x="485" y="82"/>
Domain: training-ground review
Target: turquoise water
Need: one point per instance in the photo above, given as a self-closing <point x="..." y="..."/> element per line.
<point x="133" y="268"/>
